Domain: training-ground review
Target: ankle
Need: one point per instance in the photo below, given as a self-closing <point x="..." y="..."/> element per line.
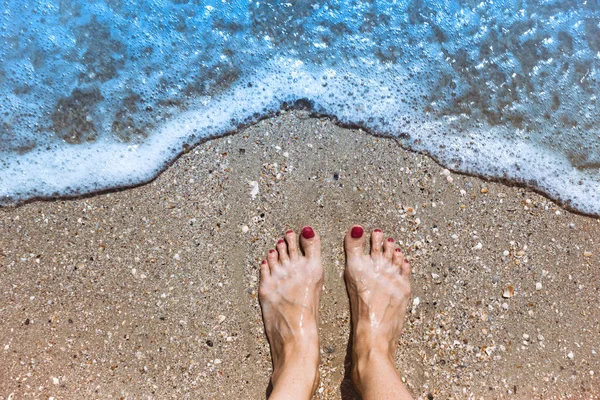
<point x="369" y="344"/>
<point x="368" y="360"/>
<point x="299" y="355"/>
<point x="297" y="370"/>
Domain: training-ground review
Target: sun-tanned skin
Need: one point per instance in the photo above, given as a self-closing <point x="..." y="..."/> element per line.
<point x="290" y="290"/>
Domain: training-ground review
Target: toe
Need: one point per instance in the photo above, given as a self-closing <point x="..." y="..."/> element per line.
<point x="388" y="249"/>
<point x="273" y="260"/>
<point x="282" y="250"/>
<point x="311" y="243"/>
<point x="402" y="263"/>
<point x="376" y="243"/>
<point x="405" y="269"/>
<point x="265" y="271"/>
<point x="292" y="244"/>
<point x="398" y="259"/>
<point x="354" y="242"/>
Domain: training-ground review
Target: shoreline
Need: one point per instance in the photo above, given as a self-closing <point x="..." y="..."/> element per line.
<point x="151" y="291"/>
<point x="303" y="106"/>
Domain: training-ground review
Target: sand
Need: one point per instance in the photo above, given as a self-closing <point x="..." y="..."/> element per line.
<point x="151" y="292"/>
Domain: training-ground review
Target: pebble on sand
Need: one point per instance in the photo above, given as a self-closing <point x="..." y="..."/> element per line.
<point x="538" y="286"/>
<point x="416" y="302"/>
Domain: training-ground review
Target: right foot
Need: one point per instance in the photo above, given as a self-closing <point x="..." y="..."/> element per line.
<point x="379" y="289"/>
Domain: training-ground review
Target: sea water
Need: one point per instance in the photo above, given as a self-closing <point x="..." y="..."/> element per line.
<point x="104" y="94"/>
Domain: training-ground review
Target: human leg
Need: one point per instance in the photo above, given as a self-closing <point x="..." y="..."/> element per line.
<point x="289" y="292"/>
<point x="379" y="289"/>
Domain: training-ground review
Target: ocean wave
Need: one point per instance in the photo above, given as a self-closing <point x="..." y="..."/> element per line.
<point x="105" y="94"/>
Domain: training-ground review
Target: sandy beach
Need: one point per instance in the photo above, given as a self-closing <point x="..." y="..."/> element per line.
<point x="151" y="292"/>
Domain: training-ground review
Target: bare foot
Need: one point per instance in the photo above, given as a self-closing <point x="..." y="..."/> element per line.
<point x="289" y="293"/>
<point x="379" y="289"/>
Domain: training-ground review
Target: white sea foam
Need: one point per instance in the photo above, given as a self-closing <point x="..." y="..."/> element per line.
<point x="104" y="95"/>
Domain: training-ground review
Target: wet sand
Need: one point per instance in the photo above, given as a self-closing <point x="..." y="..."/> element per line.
<point x="152" y="292"/>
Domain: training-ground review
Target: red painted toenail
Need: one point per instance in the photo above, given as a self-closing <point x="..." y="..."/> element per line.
<point x="308" y="233"/>
<point x="271" y="251"/>
<point x="280" y="241"/>
<point x="356" y="232"/>
<point x="377" y="230"/>
<point x="398" y="250"/>
<point x="264" y="261"/>
<point x="390" y="240"/>
<point x="288" y="232"/>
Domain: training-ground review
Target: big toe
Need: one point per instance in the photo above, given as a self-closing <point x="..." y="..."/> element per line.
<point x="310" y="242"/>
<point x="354" y="242"/>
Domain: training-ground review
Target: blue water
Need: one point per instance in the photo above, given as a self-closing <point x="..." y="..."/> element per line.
<point x="103" y="94"/>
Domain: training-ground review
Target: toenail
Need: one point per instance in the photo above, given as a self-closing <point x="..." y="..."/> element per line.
<point x="280" y="241"/>
<point x="288" y="232"/>
<point x="264" y="261"/>
<point x="398" y="250"/>
<point x="377" y="230"/>
<point x="308" y="232"/>
<point x="356" y="232"/>
<point x="271" y="251"/>
<point x="390" y="240"/>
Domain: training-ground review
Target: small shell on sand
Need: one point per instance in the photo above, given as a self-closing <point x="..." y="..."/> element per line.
<point x="509" y="292"/>
<point x="254" y="190"/>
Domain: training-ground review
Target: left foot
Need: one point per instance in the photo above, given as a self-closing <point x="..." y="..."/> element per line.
<point x="289" y="293"/>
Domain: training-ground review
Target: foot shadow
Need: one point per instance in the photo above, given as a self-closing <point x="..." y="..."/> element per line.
<point x="269" y="389"/>
<point x="347" y="388"/>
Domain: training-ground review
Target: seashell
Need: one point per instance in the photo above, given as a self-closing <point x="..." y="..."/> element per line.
<point x="509" y="292"/>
